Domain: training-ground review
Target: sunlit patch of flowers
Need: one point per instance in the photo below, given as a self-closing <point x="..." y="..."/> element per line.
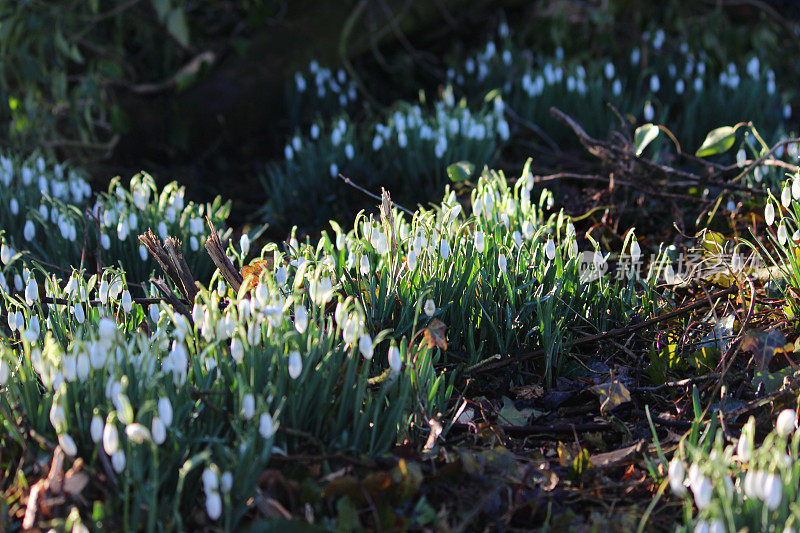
<point x="731" y="487"/>
<point x="319" y="93"/>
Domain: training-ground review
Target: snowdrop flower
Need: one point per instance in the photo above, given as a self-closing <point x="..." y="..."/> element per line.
<point x="365" y="346"/>
<point x="295" y="364"/>
<point x="244" y="244"/>
<point x="669" y="275"/>
<point x="636" y="252"/>
<point x="635" y="56"/>
<point x="395" y="361"/>
<point x="266" y="426"/>
<point x="107" y="328"/>
<point x="609" y="70"/>
<point x="105" y="241"/>
<point x="57" y="417"/>
<point x="411" y="261"/>
<point x="655" y="83"/>
<point x="118" y="461"/>
<point x="300" y="318"/>
<point x="29" y="231"/>
<point x="226" y="482"/>
<point x="334" y="170"/>
<point x="96" y="428"/>
<point x="616" y="87"/>
<point x="772" y="491"/>
<point x="550" y="249"/>
<point x="67" y="445"/>
<point x="137" y="433"/>
<point x="3" y="372"/>
<point x="786" y="196"/>
<point x="680" y="86"/>
<point x="158" y="430"/>
<point x="787" y="420"/>
<point x="14" y="205"/>
<point x="248" y="406"/>
<point x="702" y="489"/>
<point x="444" y="249"/>
<point x="701" y="527"/>
<point x="31" y="291"/>
<point x="527" y="229"/>
<point x="127" y="301"/>
<point x="677" y="475"/>
<point x="237" y="350"/>
<point x="110" y="438"/>
<point x="480" y="244"/>
<point x="429" y="307"/>
<point x="782" y="235"/>
<point x="165" y="411"/>
<point x="213" y="505"/>
<point x="502" y="263"/>
<point x="6" y="253"/>
<point x="769" y="214"/>
<point x="796" y="187"/>
<point x="716" y="526"/>
<point x="103" y="292"/>
<point x="154" y="312"/>
<point x="364" y="265"/>
<point x="649" y="113"/>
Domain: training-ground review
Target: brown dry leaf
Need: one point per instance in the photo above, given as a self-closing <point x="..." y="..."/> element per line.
<point x="254" y="270"/>
<point x="612" y="394"/>
<point x="436" y="430"/>
<point x="75" y="480"/>
<point x="528" y="392"/>
<point x="434" y="334"/>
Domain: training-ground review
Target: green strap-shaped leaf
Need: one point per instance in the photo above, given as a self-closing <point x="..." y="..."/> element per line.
<point x="717" y="141"/>
<point x="643" y="136"/>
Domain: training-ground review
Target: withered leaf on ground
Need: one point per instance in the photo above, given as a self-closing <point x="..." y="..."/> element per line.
<point x="434" y="334"/>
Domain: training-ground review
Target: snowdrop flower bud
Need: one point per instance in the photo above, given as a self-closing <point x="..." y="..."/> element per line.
<point x="29" y="231"/>
<point x="68" y="445"/>
<point x="210" y="480"/>
<point x="159" y="431"/>
<point x="213" y="505"/>
<point x="782" y="234"/>
<point x="154" y="311"/>
<point x="772" y="491"/>
<point x="365" y="346"/>
<point x="244" y="244"/>
<point x="103" y="291"/>
<point x="480" y="244"/>
<point x="295" y="364"/>
<point x="105" y="241"/>
<point x="677" y="474"/>
<point x="444" y="249"/>
<point x="702" y="490"/>
<point x="137" y="433"/>
<point x="769" y="213"/>
<point x="226" y="482"/>
<point x="787" y="420"/>
<point x="237" y="350"/>
<point x="786" y="196"/>
<point x="796" y="188"/>
<point x="96" y="428"/>
<point x="266" y="426"/>
<point x="502" y="262"/>
<point x="127" y="301"/>
<point x="6" y="252"/>
<point x="248" y="406"/>
<point x="110" y="438"/>
<point x="550" y="249"/>
<point x="57" y="417"/>
<point x="107" y="328"/>
<point x="411" y="260"/>
<point x="395" y="361"/>
<point x="300" y="318"/>
<point x="118" y="461"/>
<point x="430" y="307"/>
<point x="31" y="291"/>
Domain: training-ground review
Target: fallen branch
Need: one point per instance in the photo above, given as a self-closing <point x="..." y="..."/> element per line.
<point x="216" y="250"/>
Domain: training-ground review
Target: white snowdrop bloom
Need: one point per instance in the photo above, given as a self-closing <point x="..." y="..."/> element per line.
<point x="137" y="433"/>
<point x="649" y="112"/>
<point x="609" y="70"/>
<point x="110" y="438"/>
<point x="527" y="229"/>
<point x="655" y="83"/>
<point x="680" y="86"/>
<point x="67" y="445"/>
<point x="295" y="364"/>
<point x="96" y="428"/>
<point x="314" y="131"/>
<point x="377" y="143"/>
<point x="636" y="251"/>
<point x="237" y="350"/>
<point x="796" y="188"/>
<point x="122" y="230"/>
<point x="31" y="291"/>
<point x="429" y="307"/>
<point x="210" y="479"/>
<point x="516" y="237"/>
<point x="616" y="87"/>
<point x="702" y="489"/>
<point x="162" y="230"/>
<point x="29" y="231"/>
<point x="334" y="170"/>
<point x="18" y="283"/>
<point x="44" y="211"/>
<point x="133" y="221"/>
<point x="300" y="318"/>
<point x="32" y="333"/>
<point x="118" y="461"/>
<point x="503" y="130"/>
<point x="411" y="260"/>
<point x="165" y="411"/>
<point x="635" y="56"/>
<point x="786" y="422"/>
<point x="730" y="206"/>
<point x="158" y="431"/>
<point x="107" y="328"/>
<point x="444" y="249"/>
<point x="244" y="244"/>
<point x="716" y="525"/>
<point x="226" y="482"/>
<point x="395" y="360"/>
<point x="4" y="372"/>
<point x="266" y="426"/>
<point x="14" y="205"/>
<point x="786" y="195"/>
<point x="701" y="527"/>
<point x="365" y="346"/>
<point x="114" y="288"/>
<point x="105" y="241"/>
<point x="502" y="262"/>
<point x="68" y="368"/>
<point x="364" y="265"/>
<point x="296" y="143"/>
<point x="669" y="275"/>
<point x="12" y="320"/>
<point x="772" y="491"/>
<point x="349" y="151"/>
<point x="248" y="406"/>
<point x="550" y="249"/>
<point x="698" y="84"/>
<point x="379" y="242"/>
<point x="154" y="312"/>
<point x="677" y="475"/>
<point x="782" y="235"/>
<point x="213" y="505"/>
<point x="787" y="111"/>
<point x="127" y="301"/>
<point x="57" y="417"/>
<point x="769" y="213"/>
<point x="6" y="253"/>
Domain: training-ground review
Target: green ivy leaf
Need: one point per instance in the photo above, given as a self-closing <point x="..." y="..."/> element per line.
<point x="461" y="171"/>
<point x="643" y="136"/>
<point x="717" y="141"/>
